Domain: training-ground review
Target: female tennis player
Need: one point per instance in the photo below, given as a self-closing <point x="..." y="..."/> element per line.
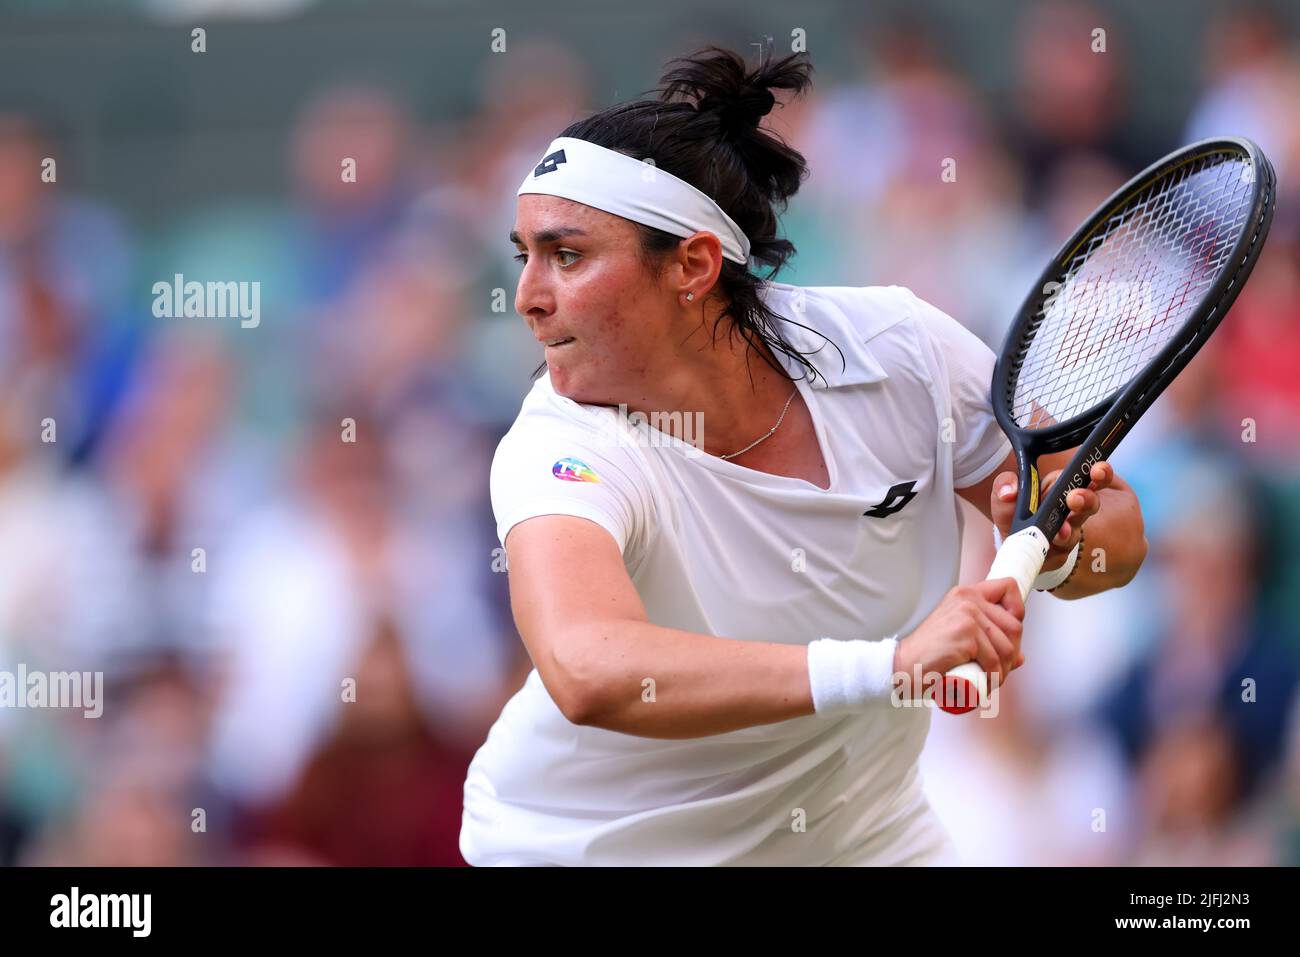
<point x="715" y="614"/>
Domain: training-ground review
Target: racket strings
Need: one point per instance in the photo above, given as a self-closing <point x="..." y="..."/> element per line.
<point x="1127" y="292"/>
<point x="1116" y="325"/>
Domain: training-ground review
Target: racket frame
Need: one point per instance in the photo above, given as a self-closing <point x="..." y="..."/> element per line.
<point x="1099" y="430"/>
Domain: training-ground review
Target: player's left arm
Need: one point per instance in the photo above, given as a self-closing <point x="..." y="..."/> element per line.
<point x="1115" y="542"/>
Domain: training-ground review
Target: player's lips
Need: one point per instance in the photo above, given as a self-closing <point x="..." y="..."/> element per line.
<point x="556" y="341"/>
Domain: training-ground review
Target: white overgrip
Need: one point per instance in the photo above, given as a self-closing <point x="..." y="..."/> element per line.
<point x="1021" y="557"/>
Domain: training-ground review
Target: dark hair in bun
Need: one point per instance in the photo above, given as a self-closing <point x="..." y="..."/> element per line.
<point x="703" y="127"/>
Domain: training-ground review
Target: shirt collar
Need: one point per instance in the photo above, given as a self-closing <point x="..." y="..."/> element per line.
<point x="824" y="314"/>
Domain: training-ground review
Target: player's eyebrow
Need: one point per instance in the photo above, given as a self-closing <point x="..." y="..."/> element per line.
<point x="542" y="237"/>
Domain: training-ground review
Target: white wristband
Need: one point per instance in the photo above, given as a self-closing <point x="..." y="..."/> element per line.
<point x="846" y="675"/>
<point x="1045" y="580"/>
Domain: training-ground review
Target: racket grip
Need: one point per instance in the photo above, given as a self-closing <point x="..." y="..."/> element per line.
<point x="966" y="687"/>
<point x="1021" y="557"/>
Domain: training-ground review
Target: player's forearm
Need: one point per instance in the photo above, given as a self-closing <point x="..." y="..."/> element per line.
<point x="1114" y="545"/>
<point x="656" y="682"/>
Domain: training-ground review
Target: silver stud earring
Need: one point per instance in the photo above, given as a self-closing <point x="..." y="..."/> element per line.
<point x="690" y="297"/>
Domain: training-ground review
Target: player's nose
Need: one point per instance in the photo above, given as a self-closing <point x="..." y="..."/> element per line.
<point x="534" y="300"/>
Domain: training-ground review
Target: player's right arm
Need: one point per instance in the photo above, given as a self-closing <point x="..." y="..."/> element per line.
<point x="606" y="665"/>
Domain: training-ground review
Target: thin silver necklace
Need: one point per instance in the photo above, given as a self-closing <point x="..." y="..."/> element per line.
<point x="770" y="432"/>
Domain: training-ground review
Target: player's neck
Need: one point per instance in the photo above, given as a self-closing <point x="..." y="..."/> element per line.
<point x="734" y="387"/>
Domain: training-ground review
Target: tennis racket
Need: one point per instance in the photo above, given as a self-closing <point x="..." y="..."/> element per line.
<point x="1114" y="318"/>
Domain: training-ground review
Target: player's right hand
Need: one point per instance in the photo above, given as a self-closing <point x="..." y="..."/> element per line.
<point x="980" y="622"/>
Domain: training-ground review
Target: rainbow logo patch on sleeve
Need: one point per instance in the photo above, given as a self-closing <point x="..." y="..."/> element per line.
<point x="573" y="470"/>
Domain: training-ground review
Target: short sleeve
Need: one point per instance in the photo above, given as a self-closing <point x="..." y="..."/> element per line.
<point x="966" y="364"/>
<point x="544" y="466"/>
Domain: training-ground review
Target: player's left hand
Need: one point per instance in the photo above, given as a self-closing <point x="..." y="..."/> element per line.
<point x="1084" y="503"/>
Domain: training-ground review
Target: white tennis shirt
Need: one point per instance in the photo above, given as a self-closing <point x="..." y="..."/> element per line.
<point x="719" y="549"/>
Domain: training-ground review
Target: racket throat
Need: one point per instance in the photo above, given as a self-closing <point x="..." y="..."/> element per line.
<point x="1027" y="489"/>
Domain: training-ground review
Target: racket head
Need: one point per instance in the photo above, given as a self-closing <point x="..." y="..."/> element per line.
<point x="1126" y="303"/>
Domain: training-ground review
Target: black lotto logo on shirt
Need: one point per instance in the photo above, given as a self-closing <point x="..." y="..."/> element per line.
<point x="550" y="164"/>
<point x="897" y="497"/>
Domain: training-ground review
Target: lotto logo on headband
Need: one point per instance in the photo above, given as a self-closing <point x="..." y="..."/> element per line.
<point x="617" y="183"/>
<point x="573" y="470"/>
<point x="550" y="164"/>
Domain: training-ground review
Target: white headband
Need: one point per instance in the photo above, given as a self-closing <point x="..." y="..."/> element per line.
<point x="604" y="179"/>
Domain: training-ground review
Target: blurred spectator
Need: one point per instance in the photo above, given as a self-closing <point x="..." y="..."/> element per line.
<point x="906" y="147"/>
<point x="523" y="101"/>
<point x="305" y="580"/>
<point x="1192" y="801"/>
<point x="348" y="218"/>
<point x="64" y="269"/>
<point x="1255" y="352"/>
<point x="146" y="801"/>
<point x="1070" y="98"/>
<point x="1217" y="664"/>
<point x="382" y="789"/>
<point x="1022" y="789"/>
<point x="1253" y="86"/>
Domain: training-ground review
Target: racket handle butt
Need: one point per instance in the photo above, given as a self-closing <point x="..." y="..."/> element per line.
<point x="964" y="689"/>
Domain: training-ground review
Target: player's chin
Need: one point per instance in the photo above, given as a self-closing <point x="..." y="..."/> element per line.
<point x="569" y="379"/>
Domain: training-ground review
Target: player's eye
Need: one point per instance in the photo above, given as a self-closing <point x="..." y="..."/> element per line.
<point x="523" y="257"/>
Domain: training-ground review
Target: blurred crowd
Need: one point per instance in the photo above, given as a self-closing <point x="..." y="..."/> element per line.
<point x="276" y="543"/>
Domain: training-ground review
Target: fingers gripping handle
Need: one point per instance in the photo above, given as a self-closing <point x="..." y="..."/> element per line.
<point x="1021" y="557"/>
